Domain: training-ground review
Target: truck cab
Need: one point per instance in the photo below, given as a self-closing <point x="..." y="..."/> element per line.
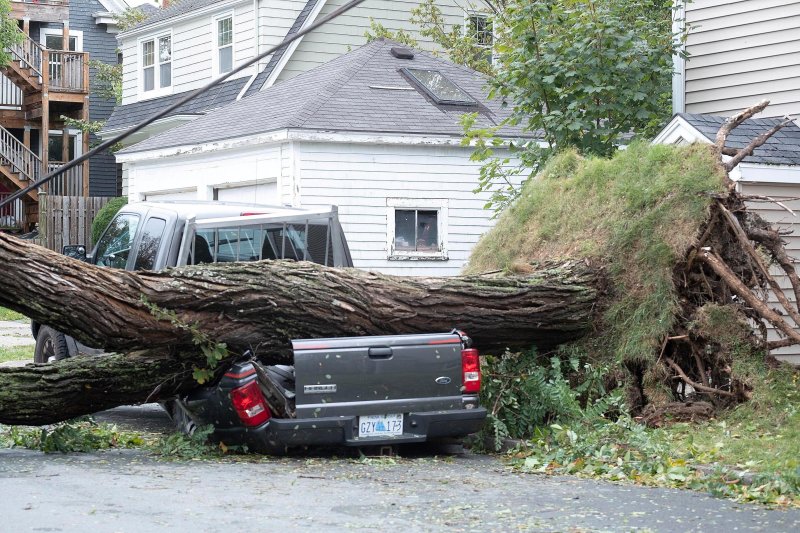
<point x="157" y="235"/>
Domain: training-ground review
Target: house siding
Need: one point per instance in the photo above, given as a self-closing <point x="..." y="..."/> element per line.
<point x="784" y="220"/>
<point x="102" y="46"/>
<point x="740" y="53"/>
<point x="275" y="19"/>
<point x="192" y="47"/>
<point x="359" y="178"/>
<point x="347" y="31"/>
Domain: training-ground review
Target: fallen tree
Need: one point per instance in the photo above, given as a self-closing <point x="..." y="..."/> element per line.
<point x="660" y="256"/>
<point x="250" y="306"/>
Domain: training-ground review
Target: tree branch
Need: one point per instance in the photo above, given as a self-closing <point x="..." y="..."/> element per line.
<point x="696" y="386"/>
<point x="755" y="143"/>
<point x="736" y="120"/>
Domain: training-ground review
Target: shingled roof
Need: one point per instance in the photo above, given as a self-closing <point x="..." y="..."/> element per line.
<point x="173" y="10"/>
<point x="783" y="148"/>
<point x="362" y="91"/>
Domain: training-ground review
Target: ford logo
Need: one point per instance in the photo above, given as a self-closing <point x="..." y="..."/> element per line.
<point x="443" y="380"/>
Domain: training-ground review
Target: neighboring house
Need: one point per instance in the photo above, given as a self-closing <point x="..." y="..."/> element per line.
<point x="49" y="76"/>
<point x="375" y="132"/>
<point x="740" y="53"/>
<point x="189" y="43"/>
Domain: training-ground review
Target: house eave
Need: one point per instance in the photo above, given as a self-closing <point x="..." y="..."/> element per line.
<point x="161" y="24"/>
<point x="290" y="134"/>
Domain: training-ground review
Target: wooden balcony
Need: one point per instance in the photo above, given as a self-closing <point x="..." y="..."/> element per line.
<point x="40" y="10"/>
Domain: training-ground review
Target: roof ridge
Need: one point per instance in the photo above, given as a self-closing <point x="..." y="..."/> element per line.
<point x="347" y="73"/>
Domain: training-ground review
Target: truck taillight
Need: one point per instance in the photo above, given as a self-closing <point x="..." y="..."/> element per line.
<point x="471" y="370"/>
<point x="250" y="404"/>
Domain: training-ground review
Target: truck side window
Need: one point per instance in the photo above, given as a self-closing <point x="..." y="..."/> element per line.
<point x="149" y="243"/>
<point x="114" y="246"/>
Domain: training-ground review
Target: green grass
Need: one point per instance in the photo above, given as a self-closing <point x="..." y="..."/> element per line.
<point x="749" y="454"/>
<point x="8" y="314"/>
<point x="16" y="353"/>
<point x="637" y="213"/>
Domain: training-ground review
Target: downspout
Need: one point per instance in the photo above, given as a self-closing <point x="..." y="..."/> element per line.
<point x="678" y="62"/>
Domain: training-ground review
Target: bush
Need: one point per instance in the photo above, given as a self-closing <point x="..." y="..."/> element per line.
<point x="105" y="215"/>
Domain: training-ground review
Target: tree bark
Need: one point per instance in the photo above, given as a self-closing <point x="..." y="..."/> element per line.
<point x="259" y="306"/>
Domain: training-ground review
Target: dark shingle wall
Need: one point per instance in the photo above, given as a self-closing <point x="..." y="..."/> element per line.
<point x="102" y="46"/>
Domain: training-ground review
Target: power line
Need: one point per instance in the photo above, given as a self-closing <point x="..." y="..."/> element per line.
<point x="111" y="142"/>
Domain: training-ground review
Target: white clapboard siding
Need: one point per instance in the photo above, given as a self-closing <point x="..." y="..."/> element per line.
<point x="740" y="53"/>
<point x="360" y="178"/>
<point x="192" y="48"/>
<point x="275" y="19"/>
<point x="203" y="173"/>
<point x="781" y="218"/>
<point x="347" y="31"/>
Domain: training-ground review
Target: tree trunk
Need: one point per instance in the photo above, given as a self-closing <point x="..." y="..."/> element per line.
<point x="258" y="306"/>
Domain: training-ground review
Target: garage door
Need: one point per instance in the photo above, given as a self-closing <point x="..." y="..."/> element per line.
<point x="262" y="193"/>
<point x="172" y="195"/>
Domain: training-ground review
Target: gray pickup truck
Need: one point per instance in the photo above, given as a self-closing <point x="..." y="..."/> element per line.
<point x="355" y="391"/>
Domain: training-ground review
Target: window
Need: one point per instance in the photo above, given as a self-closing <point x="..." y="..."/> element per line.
<point x="416" y="229"/>
<point x="224" y="44"/>
<point x="156" y="64"/>
<point x="480" y="28"/>
<point x="149" y="243"/>
<point x="438" y="87"/>
<point x="114" y="246"/>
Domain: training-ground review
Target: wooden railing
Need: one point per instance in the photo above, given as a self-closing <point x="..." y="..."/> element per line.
<point x="28" y="52"/>
<point x="17" y="156"/>
<point x="67" y="71"/>
<point x="10" y="94"/>
<point x="11" y="215"/>
<point x="70" y="183"/>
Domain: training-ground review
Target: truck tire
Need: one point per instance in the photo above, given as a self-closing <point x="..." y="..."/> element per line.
<point x="50" y="346"/>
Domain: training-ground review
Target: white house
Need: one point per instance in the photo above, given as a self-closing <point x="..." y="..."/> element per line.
<point x="185" y="46"/>
<point x="740" y="53"/>
<point x="375" y="132"/>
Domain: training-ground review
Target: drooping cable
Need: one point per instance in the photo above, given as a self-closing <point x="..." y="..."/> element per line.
<point x="194" y="94"/>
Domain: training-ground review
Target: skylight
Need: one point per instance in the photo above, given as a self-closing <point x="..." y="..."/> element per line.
<point x="438" y="87"/>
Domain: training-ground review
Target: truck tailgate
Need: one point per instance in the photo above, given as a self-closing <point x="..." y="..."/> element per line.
<point x="377" y="375"/>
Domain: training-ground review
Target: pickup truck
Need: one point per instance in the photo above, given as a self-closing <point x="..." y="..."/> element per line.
<point x="354" y="391"/>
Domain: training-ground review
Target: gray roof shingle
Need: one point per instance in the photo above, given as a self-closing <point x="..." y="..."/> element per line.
<point x="362" y="91"/>
<point x="175" y="9"/>
<point x="783" y="148"/>
<point x="264" y="75"/>
<point x="126" y="116"/>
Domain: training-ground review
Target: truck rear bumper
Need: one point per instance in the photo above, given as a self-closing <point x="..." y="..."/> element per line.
<point x="277" y="435"/>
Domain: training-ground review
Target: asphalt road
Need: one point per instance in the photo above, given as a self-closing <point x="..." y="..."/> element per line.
<point x="129" y="491"/>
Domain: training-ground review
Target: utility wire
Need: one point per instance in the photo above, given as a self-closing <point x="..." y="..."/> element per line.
<point x="111" y="142"/>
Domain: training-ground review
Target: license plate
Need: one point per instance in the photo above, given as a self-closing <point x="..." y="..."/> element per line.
<point x="380" y="425"/>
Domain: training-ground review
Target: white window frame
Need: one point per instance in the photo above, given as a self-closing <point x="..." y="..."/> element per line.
<point x="429" y="204"/>
<point x="157" y="90"/>
<point x="78" y="34"/>
<point x="467" y="29"/>
<point x="215" y="43"/>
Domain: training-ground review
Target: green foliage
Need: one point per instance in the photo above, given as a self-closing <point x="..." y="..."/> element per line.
<point x="9" y="32"/>
<point x="638" y="212"/>
<point x="79" y="435"/>
<point x="579" y="73"/>
<point x="523" y="395"/>
<point x="377" y="31"/>
<point x="462" y="47"/>
<point x="8" y="314"/>
<point x="214" y="352"/>
<point x="585" y="71"/>
<point x="129" y="18"/>
<point x="104" y="216"/>
<point x="498" y="175"/>
<point x="194" y="446"/>
<point x="106" y="80"/>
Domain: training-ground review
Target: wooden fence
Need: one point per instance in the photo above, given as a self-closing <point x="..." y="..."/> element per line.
<point x="67" y="219"/>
